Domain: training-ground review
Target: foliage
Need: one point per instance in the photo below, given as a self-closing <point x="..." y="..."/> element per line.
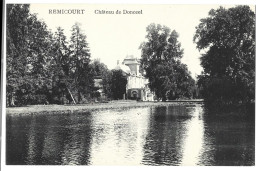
<point x="101" y="70"/>
<point x="43" y="67"/>
<point x="160" y="61"/>
<point x="228" y="36"/>
<point x="80" y="58"/>
<point x="27" y="55"/>
<point x="118" y="86"/>
<point x="59" y="66"/>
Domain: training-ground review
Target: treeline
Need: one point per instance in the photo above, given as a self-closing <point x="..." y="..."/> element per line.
<point x="47" y="68"/>
<point x="228" y="37"/>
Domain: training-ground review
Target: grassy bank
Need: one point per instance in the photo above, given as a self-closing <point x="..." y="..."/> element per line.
<point x="87" y="107"/>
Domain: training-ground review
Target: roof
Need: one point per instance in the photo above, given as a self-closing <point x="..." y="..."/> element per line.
<point x="130" y="59"/>
<point x="124" y="68"/>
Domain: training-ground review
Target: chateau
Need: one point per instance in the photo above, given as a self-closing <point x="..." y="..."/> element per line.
<point x="137" y="85"/>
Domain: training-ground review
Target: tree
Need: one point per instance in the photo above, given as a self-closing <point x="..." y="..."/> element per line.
<point x="99" y="67"/>
<point x="60" y="67"/>
<point x="41" y="66"/>
<point x="27" y="56"/>
<point x="38" y="58"/>
<point x="118" y="86"/>
<point x="107" y="83"/>
<point x="80" y="59"/>
<point x="101" y="70"/>
<point x="160" y="61"/>
<point x="180" y="85"/>
<point x="228" y="36"/>
<point x="16" y="35"/>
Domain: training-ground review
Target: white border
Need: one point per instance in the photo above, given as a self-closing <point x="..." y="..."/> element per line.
<point x="65" y="168"/>
<point x="249" y="2"/>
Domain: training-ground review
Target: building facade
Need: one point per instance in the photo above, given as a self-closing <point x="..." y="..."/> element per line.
<point x="137" y="85"/>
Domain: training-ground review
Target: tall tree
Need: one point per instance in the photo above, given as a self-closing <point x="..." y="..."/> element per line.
<point x="39" y="57"/>
<point x="16" y="36"/>
<point x="80" y="61"/>
<point x="228" y="37"/>
<point x="27" y="56"/>
<point x="60" y="67"/>
<point x="160" y="60"/>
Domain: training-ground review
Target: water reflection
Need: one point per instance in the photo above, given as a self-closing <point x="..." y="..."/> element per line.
<point x="230" y="139"/>
<point x="165" y="137"/>
<point x="169" y="135"/>
<point x="118" y="139"/>
<point x="194" y="139"/>
<point x="78" y="140"/>
<point x="31" y="156"/>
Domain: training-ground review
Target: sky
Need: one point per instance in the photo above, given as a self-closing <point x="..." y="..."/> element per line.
<point x="112" y="37"/>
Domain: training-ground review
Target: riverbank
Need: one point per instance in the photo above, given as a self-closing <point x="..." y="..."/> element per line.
<point x="89" y="107"/>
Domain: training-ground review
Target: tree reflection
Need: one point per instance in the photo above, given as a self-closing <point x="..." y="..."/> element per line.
<point x="49" y="139"/>
<point x="166" y="133"/>
<point x="233" y="137"/>
<point x="169" y="135"/>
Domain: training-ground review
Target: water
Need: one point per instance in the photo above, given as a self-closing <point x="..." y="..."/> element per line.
<point x="169" y="135"/>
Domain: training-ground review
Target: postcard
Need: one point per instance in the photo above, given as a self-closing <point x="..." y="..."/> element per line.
<point x="112" y="84"/>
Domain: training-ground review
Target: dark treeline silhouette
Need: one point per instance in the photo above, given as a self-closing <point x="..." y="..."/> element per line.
<point x="48" y="68"/>
<point x="228" y="36"/>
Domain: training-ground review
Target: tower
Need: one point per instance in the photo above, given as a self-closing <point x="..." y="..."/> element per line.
<point x="133" y="64"/>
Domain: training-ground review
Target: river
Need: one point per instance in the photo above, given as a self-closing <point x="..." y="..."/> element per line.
<point x="164" y="135"/>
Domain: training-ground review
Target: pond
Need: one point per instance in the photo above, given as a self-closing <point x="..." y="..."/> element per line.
<point x="164" y="135"/>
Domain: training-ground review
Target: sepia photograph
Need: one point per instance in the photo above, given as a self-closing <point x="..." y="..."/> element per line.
<point x="88" y="84"/>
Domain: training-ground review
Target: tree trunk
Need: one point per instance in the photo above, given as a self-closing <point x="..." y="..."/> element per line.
<point x="11" y="100"/>
<point x="71" y="96"/>
<point x="164" y="98"/>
